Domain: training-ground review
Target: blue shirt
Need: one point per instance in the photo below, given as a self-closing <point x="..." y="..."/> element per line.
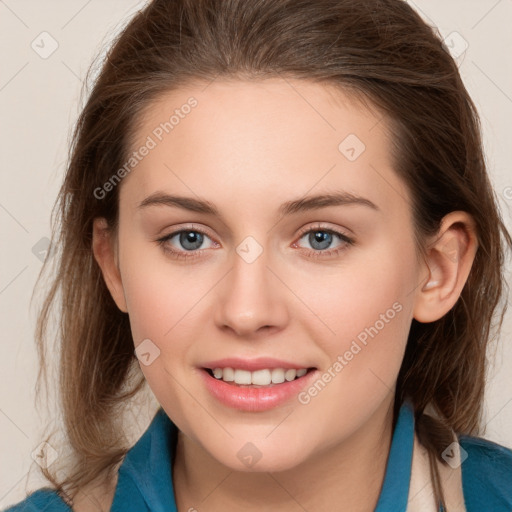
<point x="145" y="475"/>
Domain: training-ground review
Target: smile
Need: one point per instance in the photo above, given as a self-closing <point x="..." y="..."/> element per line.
<point x="263" y="377"/>
<point x="256" y="397"/>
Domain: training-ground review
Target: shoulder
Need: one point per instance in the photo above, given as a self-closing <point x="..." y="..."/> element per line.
<point x="42" y="499"/>
<point x="90" y="498"/>
<point x="486" y="474"/>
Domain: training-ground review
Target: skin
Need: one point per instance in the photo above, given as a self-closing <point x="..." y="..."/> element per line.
<point x="247" y="148"/>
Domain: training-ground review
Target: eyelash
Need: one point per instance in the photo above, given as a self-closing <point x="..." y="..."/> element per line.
<point x="189" y="255"/>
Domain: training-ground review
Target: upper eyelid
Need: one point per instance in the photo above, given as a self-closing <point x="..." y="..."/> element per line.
<point x="185" y="228"/>
<point x="307" y="229"/>
<point x="316" y="225"/>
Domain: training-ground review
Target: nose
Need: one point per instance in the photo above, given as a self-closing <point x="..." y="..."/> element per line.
<point x="251" y="299"/>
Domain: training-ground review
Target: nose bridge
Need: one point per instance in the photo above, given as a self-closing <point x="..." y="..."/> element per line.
<point x="251" y="297"/>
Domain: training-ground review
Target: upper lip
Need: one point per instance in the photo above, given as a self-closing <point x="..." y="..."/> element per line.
<point x="252" y="365"/>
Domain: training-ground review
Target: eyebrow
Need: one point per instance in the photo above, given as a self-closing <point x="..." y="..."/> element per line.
<point x="289" y="208"/>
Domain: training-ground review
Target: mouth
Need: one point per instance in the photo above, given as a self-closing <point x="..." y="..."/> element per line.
<point x="265" y="378"/>
<point x="255" y="391"/>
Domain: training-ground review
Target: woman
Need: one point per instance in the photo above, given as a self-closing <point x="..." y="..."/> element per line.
<point x="279" y="212"/>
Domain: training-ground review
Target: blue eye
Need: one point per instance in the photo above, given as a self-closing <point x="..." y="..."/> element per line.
<point x="321" y="239"/>
<point x="189" y="239"/>
<point x="189" y="242"/>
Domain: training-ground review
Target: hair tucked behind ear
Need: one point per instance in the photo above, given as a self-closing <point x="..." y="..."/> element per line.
<point x="378" y="50"/>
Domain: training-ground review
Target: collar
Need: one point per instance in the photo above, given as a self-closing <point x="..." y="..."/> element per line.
<point x="145" y="476"/>
<point x="395" y="489"/>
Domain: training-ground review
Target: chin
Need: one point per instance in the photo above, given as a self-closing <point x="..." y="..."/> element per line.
<point x="248" y="458"/>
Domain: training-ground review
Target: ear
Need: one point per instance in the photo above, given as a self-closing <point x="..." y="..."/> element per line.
<point x="449" y="259"/>
<point x="104" y="247"/>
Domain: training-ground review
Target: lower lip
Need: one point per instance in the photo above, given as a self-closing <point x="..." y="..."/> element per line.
<point x="255" y="399"/>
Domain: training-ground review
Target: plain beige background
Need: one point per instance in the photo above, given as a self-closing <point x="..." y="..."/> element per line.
<point x="46" y="50"/>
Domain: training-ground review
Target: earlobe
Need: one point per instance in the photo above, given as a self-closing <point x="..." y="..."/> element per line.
<point x="450" y="256"/>
<point x="103" y="247"/>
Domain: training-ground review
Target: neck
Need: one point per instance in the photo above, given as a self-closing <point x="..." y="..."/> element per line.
<point x="344" y="477"/>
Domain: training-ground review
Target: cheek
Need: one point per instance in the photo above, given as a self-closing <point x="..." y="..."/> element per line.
<point x="363" y="312"/>
<point x="161" y="298"/>
<point x="368" y="282"/>
<point x="158" y="295"/>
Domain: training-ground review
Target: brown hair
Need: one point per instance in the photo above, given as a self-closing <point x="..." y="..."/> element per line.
<point x="379" y="50"/>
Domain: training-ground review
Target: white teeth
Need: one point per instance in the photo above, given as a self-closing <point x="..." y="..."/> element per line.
<point x="289" y="375"/>
<point x="277" y="376"/>
<point x="228" y="374"/>
<point x="263" y="377"/>
<point x="242" y="377"/>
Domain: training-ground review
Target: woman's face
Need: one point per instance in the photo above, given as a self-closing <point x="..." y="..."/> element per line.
<point x="252" y="267"/>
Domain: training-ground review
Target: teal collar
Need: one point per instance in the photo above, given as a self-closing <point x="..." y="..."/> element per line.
<point x="395" y="489"/>
<point x="145" y="476"/>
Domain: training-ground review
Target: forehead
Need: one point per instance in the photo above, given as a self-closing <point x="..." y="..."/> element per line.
<point x="276" y="137"/>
